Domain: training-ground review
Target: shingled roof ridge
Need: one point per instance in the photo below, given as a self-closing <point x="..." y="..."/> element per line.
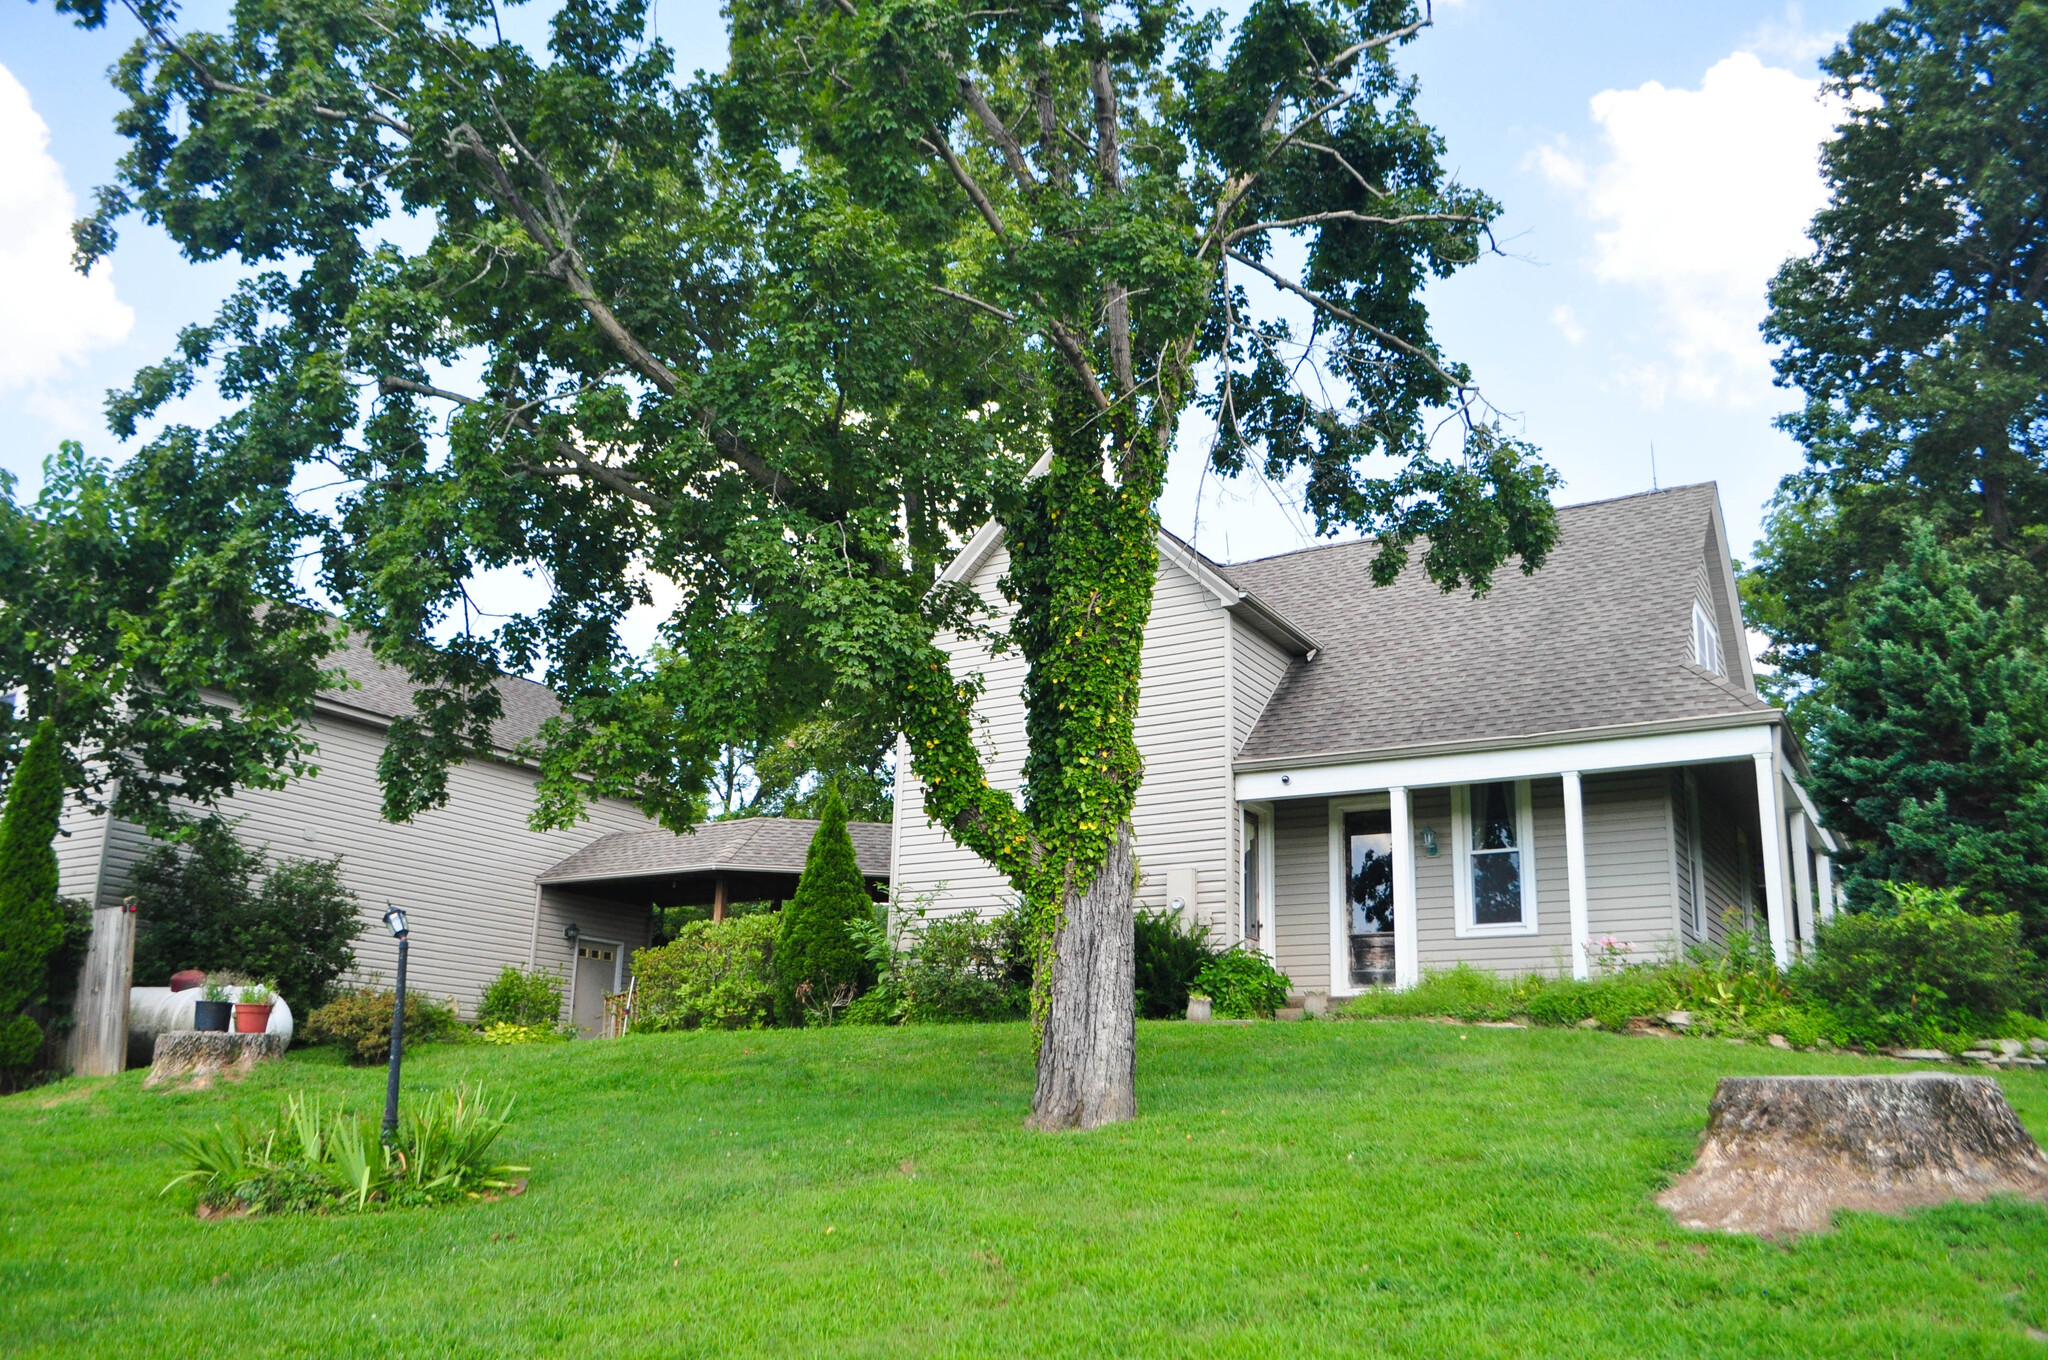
<point x="1562" y="509"/>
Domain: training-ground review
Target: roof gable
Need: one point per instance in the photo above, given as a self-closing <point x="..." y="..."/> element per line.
<point x="1599" y="637"/>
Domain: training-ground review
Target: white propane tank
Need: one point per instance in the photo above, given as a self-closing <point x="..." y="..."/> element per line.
<point x="159" y="1010"/>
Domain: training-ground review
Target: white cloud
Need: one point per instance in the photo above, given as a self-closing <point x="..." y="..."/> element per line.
<point x="1702" y="195"/>
<point x="1567" y="322"/>
<point x="1789" y="39"/>
<point x="50" y="316"/>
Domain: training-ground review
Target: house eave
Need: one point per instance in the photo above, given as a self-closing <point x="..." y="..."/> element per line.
<point x="1568" y="736"/>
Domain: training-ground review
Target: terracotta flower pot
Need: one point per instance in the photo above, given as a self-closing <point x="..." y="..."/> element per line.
<point x="252" y="1019"/>
<point x="187" y="978"/>
<point x="212" y="1015"/>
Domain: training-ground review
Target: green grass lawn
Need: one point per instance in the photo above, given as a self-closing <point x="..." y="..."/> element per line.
<point x="1290" y="1190"/>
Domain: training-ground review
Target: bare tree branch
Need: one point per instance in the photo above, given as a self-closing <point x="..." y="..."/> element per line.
<point x="997" y="312"/>
<point x="937" y="145"/>
<point x="1283" y="223"/>
<point x="1344" y="313"/>
<point x="1338" y="156"/>
<point x="1013" y="151"/>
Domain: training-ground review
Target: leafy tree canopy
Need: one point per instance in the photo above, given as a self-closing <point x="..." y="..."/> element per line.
<point x="132" y="618"/>
<point x="1918" y="327"/>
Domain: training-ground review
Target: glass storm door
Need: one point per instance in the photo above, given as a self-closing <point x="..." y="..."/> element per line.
<point x="1369" y="890"/>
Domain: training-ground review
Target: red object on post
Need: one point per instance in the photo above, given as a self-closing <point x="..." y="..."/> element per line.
<point x="252" y="1018"/>
<point x="187" y="978"/>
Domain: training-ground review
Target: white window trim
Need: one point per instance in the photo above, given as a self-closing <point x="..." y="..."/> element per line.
<point x="1706" y="640"/>
<point x="1340" y="889"/>
<point x="1268" y="943"/>
<point x="1461" y="841"/>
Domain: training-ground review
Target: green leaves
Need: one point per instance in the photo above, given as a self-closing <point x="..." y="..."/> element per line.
<point x="1917" y="329"/>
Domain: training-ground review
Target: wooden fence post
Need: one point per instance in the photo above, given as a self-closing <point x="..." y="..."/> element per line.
<point x="99" y="1034"/>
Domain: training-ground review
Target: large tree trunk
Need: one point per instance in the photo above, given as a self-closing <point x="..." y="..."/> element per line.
<point x="1086" y="1060"/>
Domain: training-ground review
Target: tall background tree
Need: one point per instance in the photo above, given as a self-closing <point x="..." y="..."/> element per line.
<point x="1917" y="329"/>
<point x="782" y="340"/>
<point x="1901" y="577"/>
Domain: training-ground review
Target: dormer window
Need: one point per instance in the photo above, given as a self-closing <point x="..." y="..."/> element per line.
<point x="1706" y="640"/>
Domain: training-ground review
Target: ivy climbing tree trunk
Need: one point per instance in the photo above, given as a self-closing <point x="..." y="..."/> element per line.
<point x="1101" y="174"/>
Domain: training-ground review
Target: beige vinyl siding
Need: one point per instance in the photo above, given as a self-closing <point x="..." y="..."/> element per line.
<point x="1302" y="910"/>
<point x="1258" y="667"/>
<point x="1183" y="805"/>
<point x="81" y="846"/>
<point x="1684" y="812"/>
<point x="1436" y="908"/>
<point x="464" y="872"/>
<point x="1628" y="860"/>
<point x="1722" y="814"/>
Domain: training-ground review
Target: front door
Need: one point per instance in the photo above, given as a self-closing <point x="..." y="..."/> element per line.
<point x="597" y="972"/>
<point x="1369" y="895"/>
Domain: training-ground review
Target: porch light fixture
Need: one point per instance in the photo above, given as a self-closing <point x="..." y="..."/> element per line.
<point x="1429" y="841"/>
<point x="572" y="932"/>
<point x="394" y="919"/>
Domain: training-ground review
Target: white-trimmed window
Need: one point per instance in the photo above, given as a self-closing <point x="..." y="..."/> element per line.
<point x="1706" y="640"/>
<point x="1495" y="839"/>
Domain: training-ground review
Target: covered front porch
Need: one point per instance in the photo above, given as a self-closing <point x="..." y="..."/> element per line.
<point x="1526" y="858"/>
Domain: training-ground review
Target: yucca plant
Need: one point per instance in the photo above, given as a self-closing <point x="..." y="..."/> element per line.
<point x="313" y="1158"/>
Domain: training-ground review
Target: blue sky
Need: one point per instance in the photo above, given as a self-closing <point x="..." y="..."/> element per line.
<point x="1656" y="160"/>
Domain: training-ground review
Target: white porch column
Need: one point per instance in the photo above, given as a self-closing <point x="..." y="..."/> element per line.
<point x="1802" y="879"/>
<point x="1575" y="872"/>
<point x="1825" y="867"/>
<point x="1407" y="968"/>
<point x="1771" y="819"/>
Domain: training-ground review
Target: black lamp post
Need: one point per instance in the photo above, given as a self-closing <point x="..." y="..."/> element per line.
<point x="394" y="917"/>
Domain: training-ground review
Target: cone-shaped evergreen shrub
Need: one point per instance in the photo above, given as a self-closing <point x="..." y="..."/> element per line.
<point x="30" y="924"/>
<point x="1931" y="749"/>
<point x="815" y="954"/>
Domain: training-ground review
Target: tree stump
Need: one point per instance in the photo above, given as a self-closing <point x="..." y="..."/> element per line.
<point x="1781" y="1154"/>
<point x="198" y="1056"/>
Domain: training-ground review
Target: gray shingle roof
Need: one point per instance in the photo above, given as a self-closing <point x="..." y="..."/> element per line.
<point x="1599" y="637"/>
<point x="772" y="845"/>
<point x="387" y="692"/>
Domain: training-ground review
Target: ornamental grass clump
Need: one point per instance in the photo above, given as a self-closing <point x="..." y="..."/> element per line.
<point x="314" y="1160"/>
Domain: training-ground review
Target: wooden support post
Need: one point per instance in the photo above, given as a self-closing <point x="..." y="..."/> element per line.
<point x="1825" y="869"/>
<point x="718" y="900"/>
<point x="1407" y="967"/>
<point x="99" y="1038"/>
<point x="1577" y="903"/>
<point x="1771" y="824"/>
<point x="1802" y="881"/>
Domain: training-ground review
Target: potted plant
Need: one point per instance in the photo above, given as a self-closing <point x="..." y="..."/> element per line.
<point x="252" y="1009"/>
<point x="213" y="1010"/>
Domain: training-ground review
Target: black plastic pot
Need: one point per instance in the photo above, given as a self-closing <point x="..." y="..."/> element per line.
<point x="212" y="1015"/>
